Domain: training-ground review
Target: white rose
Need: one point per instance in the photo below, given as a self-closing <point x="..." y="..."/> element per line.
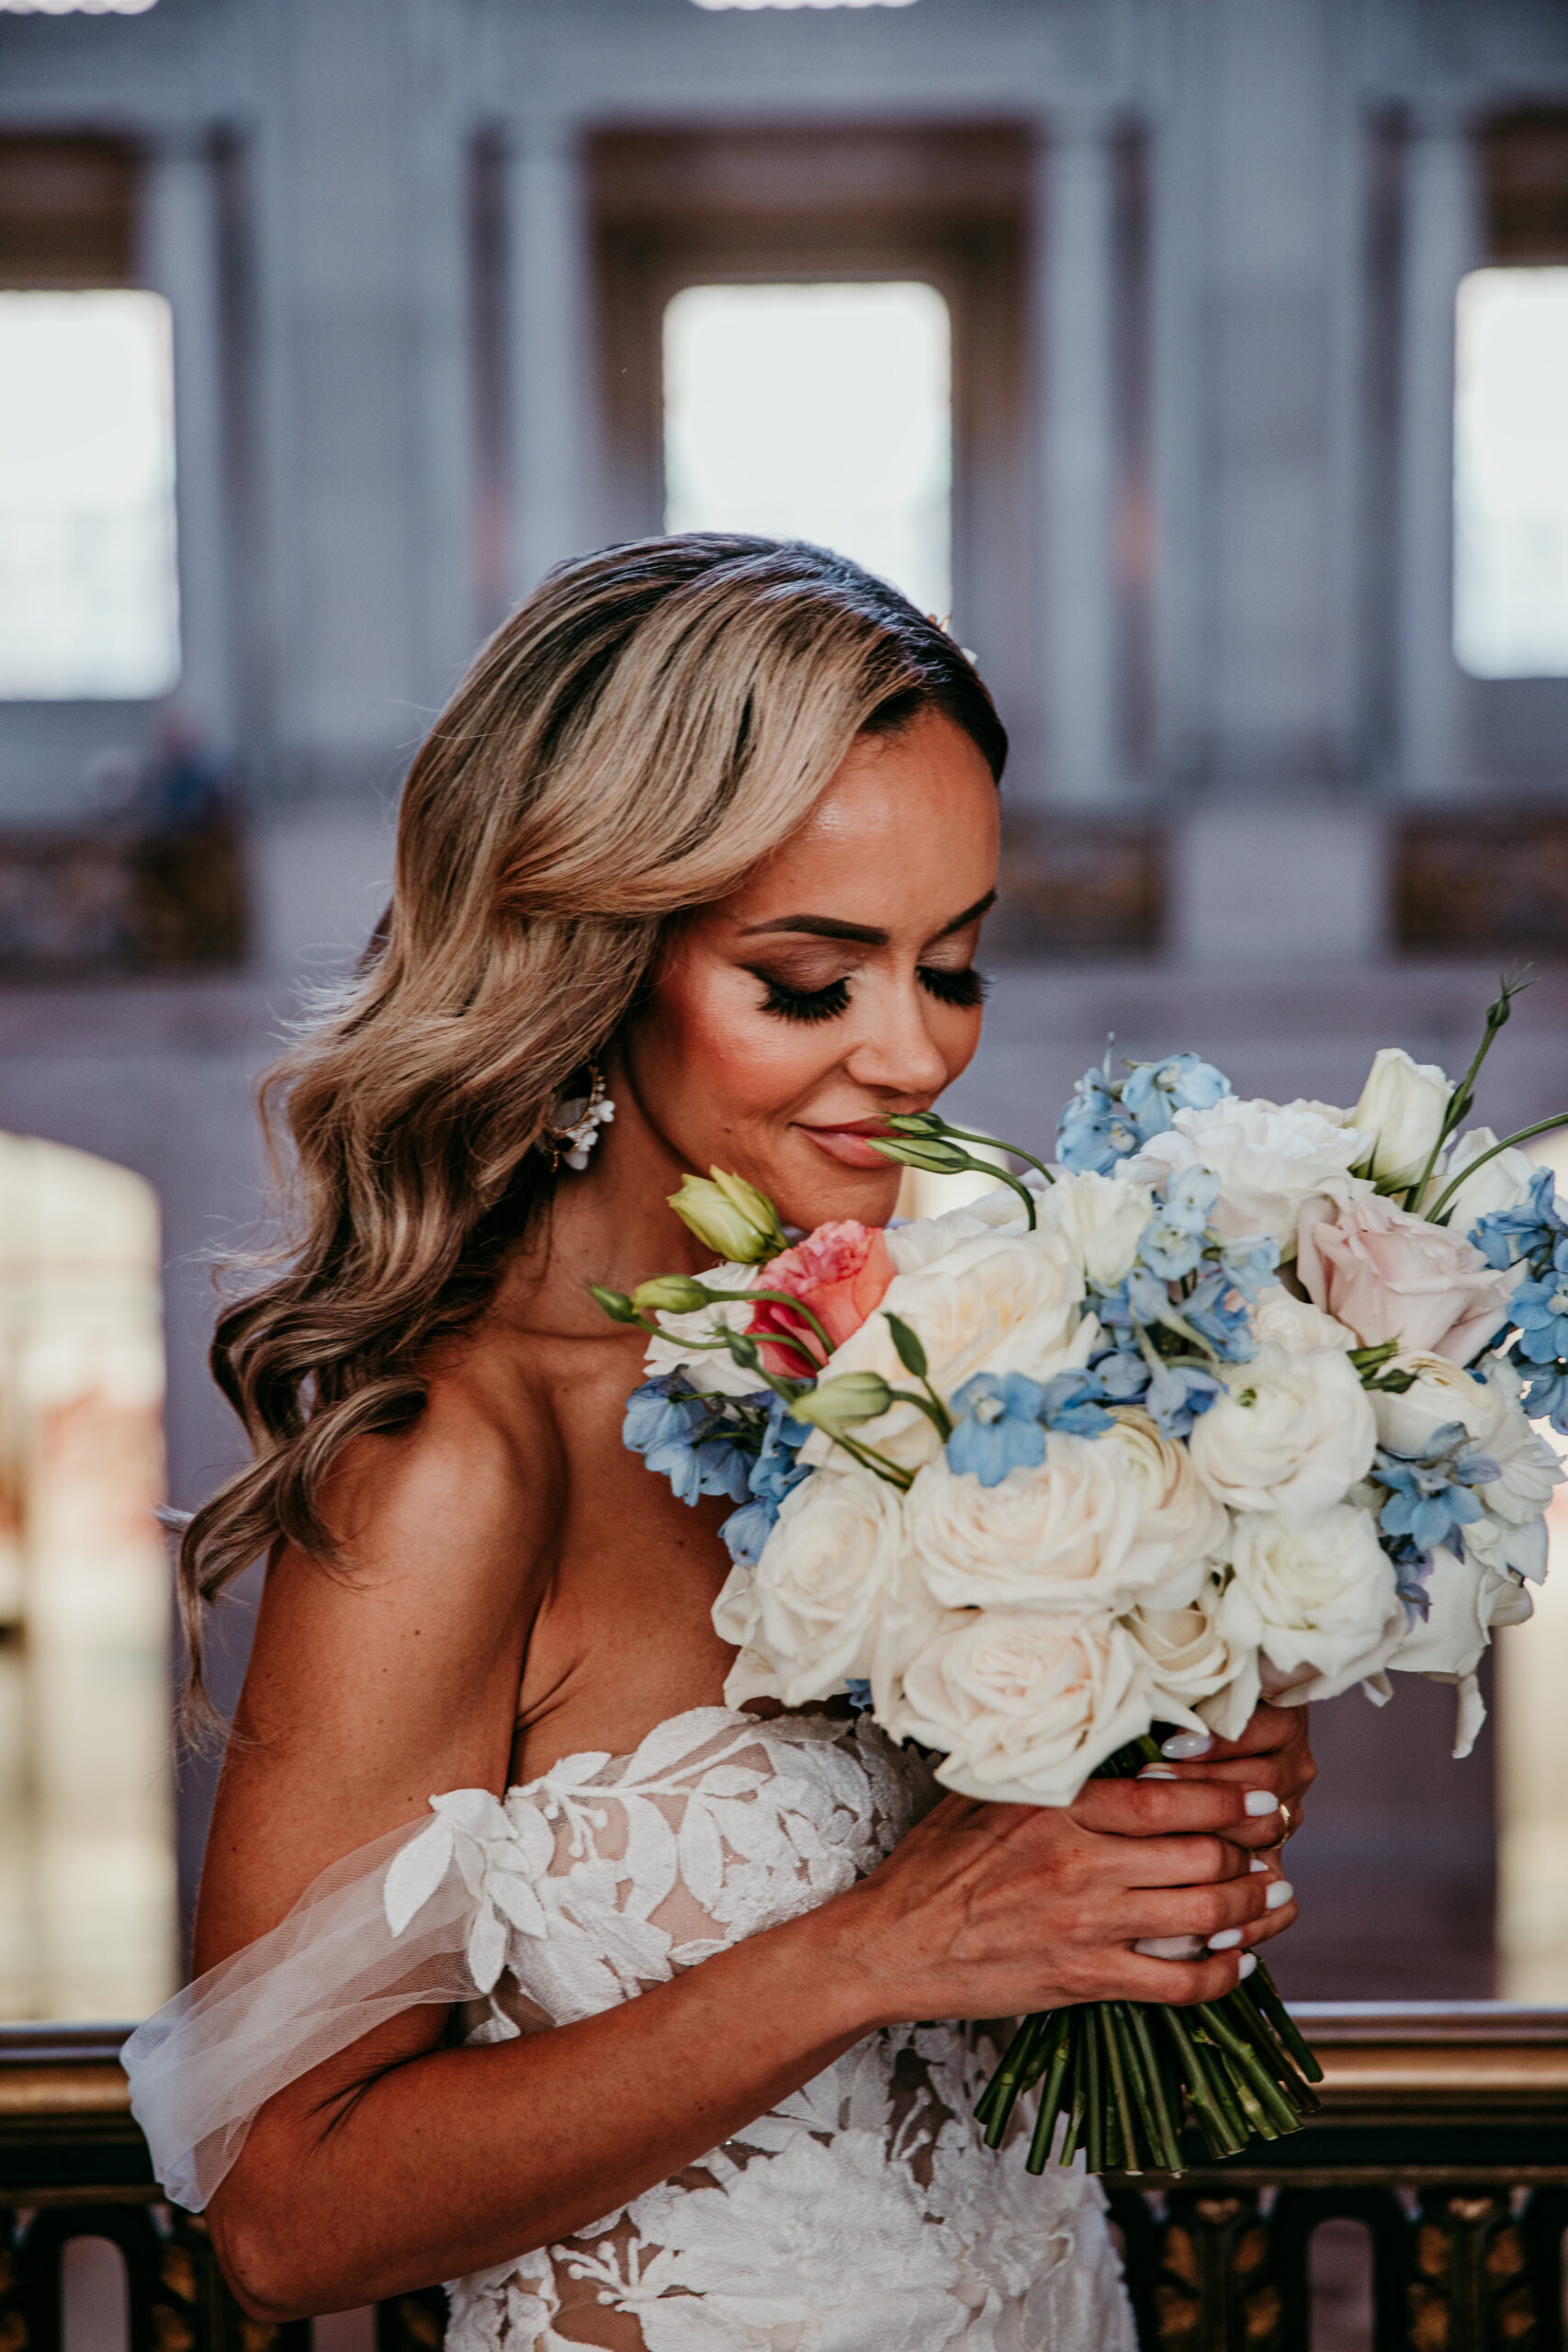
<point x="819" y="1589"/>
<point x="1465" y="1599"/>
<point x="1268" y="1160"/>
<point x="1197" y="1672"/>
<point x="1493" y="1417"/>
<point x="991" y="1302"/>
<point x="1503" y="1183"/>
<point x="1180" y="1526"/>
<point x="1058" y="1537"/>
<point x="1282" y="1320"/>
<point x="1402" y="1110"/>
<point x="1317" y="1596"/>
<point x="1101" y="1218"/>
<point x="1290" y="1433"/>
<point x="1024" y="1704"/>
<point x="709" y="1368"/>
<point x="1524" y="1545"/>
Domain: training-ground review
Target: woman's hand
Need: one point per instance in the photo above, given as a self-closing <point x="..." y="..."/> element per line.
<point x="989" y="1910"/>
<point x="1275" y="1753"/>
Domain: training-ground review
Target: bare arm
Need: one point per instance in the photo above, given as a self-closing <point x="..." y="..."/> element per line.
<point x="401" y="2161"/>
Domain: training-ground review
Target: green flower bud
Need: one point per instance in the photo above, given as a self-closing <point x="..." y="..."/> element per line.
<point x="670" y="1295"/>
<point x="730" y="1216"/>
<point x="616" y="1304"/>
<point x="935" y="1154"/>
<point x="844" y="1402"/>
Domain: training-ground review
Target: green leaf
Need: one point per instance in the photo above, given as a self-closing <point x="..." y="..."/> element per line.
<point x="911" y="1354"/>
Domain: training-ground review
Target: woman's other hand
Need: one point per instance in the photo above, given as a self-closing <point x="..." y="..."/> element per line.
<point x="1274" y="1752"/>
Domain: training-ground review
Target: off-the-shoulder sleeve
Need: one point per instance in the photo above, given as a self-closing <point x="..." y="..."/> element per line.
<point x="414" y="1918"/>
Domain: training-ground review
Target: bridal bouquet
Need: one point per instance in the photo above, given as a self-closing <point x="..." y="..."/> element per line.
<point x="1231" y="1401"/>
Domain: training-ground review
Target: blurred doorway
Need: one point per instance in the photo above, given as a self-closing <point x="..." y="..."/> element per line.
<point x="87" y="1910"/>
<point x="840" y="269"/>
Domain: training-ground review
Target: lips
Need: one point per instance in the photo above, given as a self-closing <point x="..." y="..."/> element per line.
<point x="849" y="1143"/>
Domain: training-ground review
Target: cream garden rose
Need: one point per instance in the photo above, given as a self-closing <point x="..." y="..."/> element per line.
<point x="1391" y="1275"/>
<point x="994" y="1301"/>
<point x="1059" y="1537"/>
<point x="1316" y="1596"/>
<point x="813" y="1603"/>
<point x="1269" y="1160"/>
<point x="1025" y="1703"/>
<point x="1291" y="1433"/>
<point x="1196" y="1672"/>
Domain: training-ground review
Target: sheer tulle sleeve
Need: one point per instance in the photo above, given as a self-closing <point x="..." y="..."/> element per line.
<point x="416" y="1916"/>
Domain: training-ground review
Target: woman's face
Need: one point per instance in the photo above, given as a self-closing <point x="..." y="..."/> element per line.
<point x="835" y="986"/>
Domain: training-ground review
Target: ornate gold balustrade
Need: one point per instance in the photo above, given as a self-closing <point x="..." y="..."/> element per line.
<point x="1444" y="2132"/>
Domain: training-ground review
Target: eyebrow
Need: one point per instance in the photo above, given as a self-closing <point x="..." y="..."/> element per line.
<point x="864" y="934"/>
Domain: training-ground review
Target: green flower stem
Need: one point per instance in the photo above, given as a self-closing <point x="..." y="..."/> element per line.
<point x="1095" y="2109"/>
<point x="1248" y="2071"/>
<point x="966" y="1135"/>
<point x="1168" y="2147"/>
<point x="1116" y="2069"/>
<point x="779" y="1298"/>
<point x="1200" y="2089"/>
<point x="1541" y="1128"/>
<point x="890" y="1473"/>
<point x="1263" y="1992"/>
<point x="1051" y="2096"/>
<point x="1072" y="2137"/>
<point x="932" y="1407"/>
<point x="1002" y="2090"/>
<point x="1463" y="1095"/>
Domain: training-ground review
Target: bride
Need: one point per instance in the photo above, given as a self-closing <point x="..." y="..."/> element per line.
<point x="527" y="1964"/>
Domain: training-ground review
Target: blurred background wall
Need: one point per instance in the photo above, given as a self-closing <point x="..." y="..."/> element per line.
<point x="1207" y="359"/>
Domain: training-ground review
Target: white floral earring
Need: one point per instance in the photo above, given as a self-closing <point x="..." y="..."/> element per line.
<point x="575" y="1123"/>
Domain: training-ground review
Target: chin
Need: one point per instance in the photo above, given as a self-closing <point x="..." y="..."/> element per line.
<point x="825" y="1196"/>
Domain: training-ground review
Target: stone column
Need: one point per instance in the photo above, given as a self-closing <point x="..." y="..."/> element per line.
<point x="179" y="259"/>
<point x="551" y="391"/>
<point x="1075" y="314"/>
<point x="1441" y="242"/>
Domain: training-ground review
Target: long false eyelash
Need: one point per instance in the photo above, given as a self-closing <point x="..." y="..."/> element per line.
<point x="966" y="989"/>
<point x="805" y="1004"/>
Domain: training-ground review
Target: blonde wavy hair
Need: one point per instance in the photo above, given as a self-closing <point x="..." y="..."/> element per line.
<point x="652" y="722"/>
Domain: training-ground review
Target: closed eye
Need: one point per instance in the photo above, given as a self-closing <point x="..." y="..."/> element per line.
<point x="966" y="988"/>
<point x="805" y="1004"/>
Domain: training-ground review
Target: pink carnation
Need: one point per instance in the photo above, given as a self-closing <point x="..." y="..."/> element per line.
<point x="839" y="1272"/>
<point x="1392" y="1276"/>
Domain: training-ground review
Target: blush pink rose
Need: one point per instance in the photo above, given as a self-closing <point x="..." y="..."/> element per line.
<point x="839" y="1272"/>
<point x="1392" y="1276"/>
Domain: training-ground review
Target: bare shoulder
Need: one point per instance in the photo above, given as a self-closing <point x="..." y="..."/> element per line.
<point x="391" y="1673"/>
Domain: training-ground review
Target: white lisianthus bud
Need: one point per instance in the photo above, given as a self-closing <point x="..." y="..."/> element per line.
<point x="730" y="1216"/>
<point x="1503" y="1183"/>
<point x="1402" y="1106"/>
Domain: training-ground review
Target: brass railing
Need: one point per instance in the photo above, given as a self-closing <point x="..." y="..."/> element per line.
<point x="1444" y="2132"/>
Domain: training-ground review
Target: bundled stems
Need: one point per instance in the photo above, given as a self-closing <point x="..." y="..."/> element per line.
<point x="1125" y="2080"/>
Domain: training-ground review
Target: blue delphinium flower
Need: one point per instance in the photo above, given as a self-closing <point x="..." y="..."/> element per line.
<point x="1250" y="1259"/>
<point x="1174" y="1238"/>
<point x="1152" y="1090"/>
<point x="1177" y="1395"/>
<point x="1138" y="1297"/>
<point x="1546" y="1392"/>
<point x="1073" y="1402"/>
<point x="1216" y="1309"/>
<point x="688" y="1438"/>
<point x="774" y="1471"/>
<point x="1533" y="1230"/>
<point x="1430" y="1498"/>
<point x="859" y="1695"/>
<point x="1093" y="1134"/>
<point x="1540" y="1310"/>
<point x="997" y="1426"/>
<point x="1123" y="1376"/>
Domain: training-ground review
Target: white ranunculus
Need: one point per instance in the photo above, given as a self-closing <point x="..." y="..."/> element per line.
<point x="1503" y="1183"/>
<point x="1024" y="1703"/>
<point x="1058" y="1537"/>
<point x="1180" y="1526"/>
<point x="818" y="1590"/>
<point x="1465" y="1599"/>
<point x="1197" y="1672"/>
<point x="1101" y="1218"/>
<point x="1291" y="1433"/>
<point x="1317" y="1596"/>
<point x="1282" y="1320"/>
<point x="1268" y="1160"/>
<point x="991" y="1302"/>
<point x="709" y="1368"/>
<point x="1402" y="1109"/>
<point x="1490" y="1410"/>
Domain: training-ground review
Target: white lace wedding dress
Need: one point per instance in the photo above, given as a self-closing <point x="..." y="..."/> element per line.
<point x="861" y="2215"/>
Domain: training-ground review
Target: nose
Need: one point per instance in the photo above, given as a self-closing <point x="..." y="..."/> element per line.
<point x="895" y="1053"/>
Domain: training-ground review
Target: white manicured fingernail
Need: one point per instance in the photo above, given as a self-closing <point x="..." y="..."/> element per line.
<point x="1158" y="1773"/>
<point x="1182" y="1745"/>
<point x="1226" y="1940"/>
<point x="1170" y="1946"/>
<point x="1249" y="1962"/>
<point x="1279" y="1894"/>
<point x="1258" y="1864"/>
<point x="1261" y="1800"/>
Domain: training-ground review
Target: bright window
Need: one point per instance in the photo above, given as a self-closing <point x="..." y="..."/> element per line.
<point x="89" y="599"/>
<point x="817" y="411"/>
<point x="1511" y="474"/>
